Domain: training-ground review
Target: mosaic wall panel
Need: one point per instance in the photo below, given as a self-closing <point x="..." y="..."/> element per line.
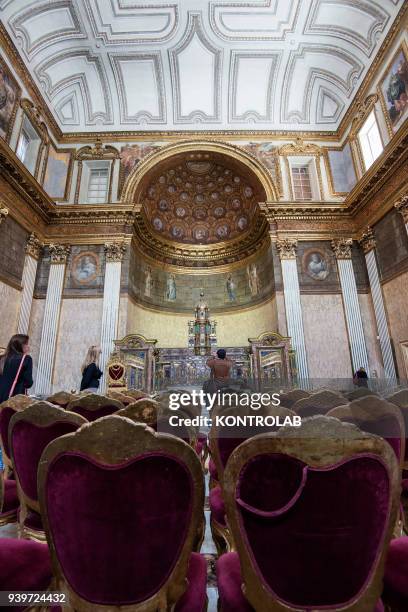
<point x="13" y="239"/>
<point x="392" y="245"/>
<point x="244" y="286"/>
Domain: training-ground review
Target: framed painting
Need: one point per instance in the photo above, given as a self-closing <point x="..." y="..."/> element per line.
<point x="57" y="173"/>
<point x="393" y="90"/>
<point x="341" y="170"/>
<point x="10" y="94"/>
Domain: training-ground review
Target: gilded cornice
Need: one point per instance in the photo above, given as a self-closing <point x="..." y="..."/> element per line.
<point x="367" y="240"/>
<point x="342" y="248"/>
<point x="36" y="118"/>
<point x="97" y="151"/>
<point x="190" y="255"/>
<point x="363" y="109"/>
<point x="299" y="148"/>
<point x="83" y="214"/>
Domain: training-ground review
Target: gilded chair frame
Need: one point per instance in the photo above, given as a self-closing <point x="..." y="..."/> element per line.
<point x="142" y="411"/>
<point x="16" y="403"/>
<point x="399" y="398"/>
<point x="324" y="399"/>
<point x="61" y="398"/>
<point x="319" y="442"/>
<point x="369" y="409"/>
<point x="127" y="440"/>
<point x="93" y="402"/>
<point x="41" y="414"/>
<point x="291" y="397"/>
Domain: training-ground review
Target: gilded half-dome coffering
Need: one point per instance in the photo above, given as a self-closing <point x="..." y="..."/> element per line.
<point x="200" y="198"/>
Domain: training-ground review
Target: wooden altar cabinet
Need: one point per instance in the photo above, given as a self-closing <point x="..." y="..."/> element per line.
<point x="132" y="364"/>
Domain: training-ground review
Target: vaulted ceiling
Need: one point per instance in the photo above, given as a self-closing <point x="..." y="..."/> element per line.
<point x="105" y="65"/>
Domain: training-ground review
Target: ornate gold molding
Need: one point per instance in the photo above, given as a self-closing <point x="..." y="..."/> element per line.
<point x="342" y="248"/>
<point x="34" y="246"/>
<point x="402" y="206"/>
<point x="97" y="151"/>
<point x="59" y="253"/>
<point x="4" y="211"/>
<point x="299" y="147"/>
<point x="367" y="240"/>
<point x="363" y="109"/>
<point x="287" y="248"/>
<point x="114" y="251"/>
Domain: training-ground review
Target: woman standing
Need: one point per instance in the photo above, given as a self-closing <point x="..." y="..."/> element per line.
<point x="16" y="368"/>
<point x="90" y="369"/>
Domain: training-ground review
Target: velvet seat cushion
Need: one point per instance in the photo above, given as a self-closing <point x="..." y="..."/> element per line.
<point x="229" y="581"/>
<point x="11" y="501"/>
<point x="396" y="574"/>
<point x="25" y="566"/>
<point x="195" y="597"/>
<point x="329" y="521"/>
<point x="201" y="443"/>
<point x="128" y="521"/>
<point x="217" y="506"/>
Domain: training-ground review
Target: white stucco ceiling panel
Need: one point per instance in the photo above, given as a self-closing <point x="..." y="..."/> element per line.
<point x="110" y="65"/>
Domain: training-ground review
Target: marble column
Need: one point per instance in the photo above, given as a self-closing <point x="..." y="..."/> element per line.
<point x="111" y="298"/>
<point x="287" y="253"/>
<point x="368" y="244"/>
<point x="59" y="255"/>
<point x="342" y="250"/>
<point x="33" y="251"/>
<point x="402" y="206"/>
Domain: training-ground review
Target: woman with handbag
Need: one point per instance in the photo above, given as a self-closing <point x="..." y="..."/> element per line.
<point x="16" y="368"/>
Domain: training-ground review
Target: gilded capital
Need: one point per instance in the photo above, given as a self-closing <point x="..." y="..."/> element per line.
<point x="3" y="212"/>
<point x="342" y="248"/>
<point x="115" y="251"/>
<point x="402" y="206"/>
<point x="367" y="240"/>
<point x="59" y="253"/>
<point x="33" y="246"/>
<point x="287" y="248"/>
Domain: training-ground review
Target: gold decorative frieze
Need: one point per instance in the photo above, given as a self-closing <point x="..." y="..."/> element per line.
<point x="287" y="248"/>
<point x="363" y="109"/>
<point x="342" y="248"/>
<point x="402" y="206"/>
<point x="3" y="212"/>
<point x="114" y="251"/>
<point x="97" y="151"/>
<point x="300" y="148"/>
<point x="59" y="253"/>
<point x="367" y="240"/>
<point x="34" y="246"/>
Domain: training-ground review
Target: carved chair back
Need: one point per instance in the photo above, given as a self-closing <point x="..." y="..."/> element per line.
<point x="93" y="406"/>
<point x="318" y="403"/>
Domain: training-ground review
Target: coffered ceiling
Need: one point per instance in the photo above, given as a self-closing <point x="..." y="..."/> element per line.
<point x="109" y="65"/>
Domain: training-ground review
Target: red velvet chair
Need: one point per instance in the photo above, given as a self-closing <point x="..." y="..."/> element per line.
<point x="29" y="433"/>
<point x="318" y="403"/>
<point x="223" y="441"/>
<point x="121" y="507"/>
<point x="61" y="398"/>
<point x="9" y="502"/>
<point x="24" y="566"/>
<point x="396" y="575"/>
<point x="7" y="410"/>
<point x="93" y="406"/>
<point x="311" y="510"/>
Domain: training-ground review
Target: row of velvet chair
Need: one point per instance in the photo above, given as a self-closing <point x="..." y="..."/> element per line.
<point x="228" y="565"/>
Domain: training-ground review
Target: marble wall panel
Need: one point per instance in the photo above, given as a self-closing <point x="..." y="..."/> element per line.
<point x="396" y="300"/>
<point x="10" y="299"/>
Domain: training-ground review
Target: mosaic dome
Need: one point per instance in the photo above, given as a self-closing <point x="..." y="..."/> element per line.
<point x="201" y="198"/>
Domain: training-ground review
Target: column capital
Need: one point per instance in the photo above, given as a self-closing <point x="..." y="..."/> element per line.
<point x="3" y="211"/>
<point x="367" y="240"/>
<point x="402" y="206"/>
<point x="34" y="246"/>
<point x="114" y="251"/>
<point x="287" y="248"/>
<point x="59" y="253"/>
<point x="342" y="248"/>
